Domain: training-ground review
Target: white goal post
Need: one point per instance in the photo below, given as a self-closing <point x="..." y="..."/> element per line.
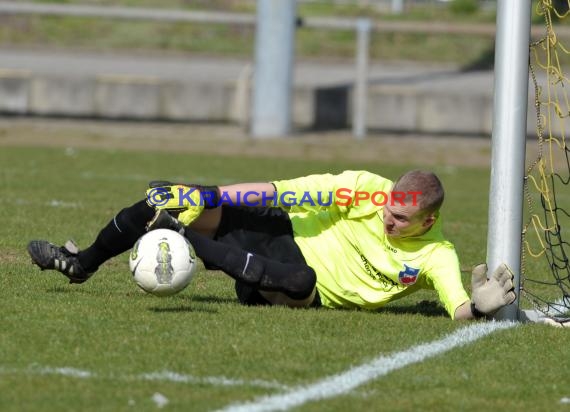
<point x="508" y="141"/>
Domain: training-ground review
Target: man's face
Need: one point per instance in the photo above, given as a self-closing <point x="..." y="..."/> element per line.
<point x="408" y="220"/>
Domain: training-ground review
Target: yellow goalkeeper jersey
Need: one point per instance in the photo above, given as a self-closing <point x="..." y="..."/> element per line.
<point x="343" y="240"/>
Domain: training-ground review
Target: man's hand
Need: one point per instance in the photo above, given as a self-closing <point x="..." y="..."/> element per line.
<point x="183" y="202"/>
<point x="490" y="295"/>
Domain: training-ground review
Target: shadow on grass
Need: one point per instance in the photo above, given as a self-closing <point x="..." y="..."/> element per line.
<point x="428" y="308"/>
<point x="185" y="304"/>
<point x="195" y="303"/>
<point x="70" y="289"/>
<point x="211" y="299"/>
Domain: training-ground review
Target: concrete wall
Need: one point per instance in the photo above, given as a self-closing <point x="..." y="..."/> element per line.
<point x="394" y="108"/>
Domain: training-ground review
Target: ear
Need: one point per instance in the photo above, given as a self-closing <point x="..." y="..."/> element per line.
<point x="429" y="220"/>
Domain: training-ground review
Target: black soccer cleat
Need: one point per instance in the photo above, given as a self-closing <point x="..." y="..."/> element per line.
<point x="61" y="258"/>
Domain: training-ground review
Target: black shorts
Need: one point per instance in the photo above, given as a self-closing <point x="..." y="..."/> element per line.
<point x="264" y="231"/>
<point x="261" y="230"/>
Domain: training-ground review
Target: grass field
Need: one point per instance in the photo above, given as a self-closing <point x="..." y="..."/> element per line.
<point x="107" y="346"/>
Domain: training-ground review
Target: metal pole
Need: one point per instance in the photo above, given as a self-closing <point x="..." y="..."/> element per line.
<point x="508" y="141"/>
<point x="273" y="73"/>
<point x="397" y="6"/>
<point x="363" y="29"/>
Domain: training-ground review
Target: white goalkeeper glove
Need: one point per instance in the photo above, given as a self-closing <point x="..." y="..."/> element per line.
<point x="489" y="295"/>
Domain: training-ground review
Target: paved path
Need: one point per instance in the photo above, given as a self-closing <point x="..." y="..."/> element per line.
<point x="210" y="69"/>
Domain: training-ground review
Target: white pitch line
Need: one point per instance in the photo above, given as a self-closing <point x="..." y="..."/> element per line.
<point x="212" y="380"/>
<point x="163" y="376"/>
<point x="70" y="372"/>
<point x="345" y="382"/>
<point x="554" y="314"/>
<point x="560" y="307"/>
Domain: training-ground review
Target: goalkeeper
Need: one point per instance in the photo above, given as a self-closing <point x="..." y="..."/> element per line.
<point x="339" y="248"/>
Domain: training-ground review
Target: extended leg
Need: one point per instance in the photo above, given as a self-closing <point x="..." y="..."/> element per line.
<point x="296" y="281"/>
<point x="118" y="236"/>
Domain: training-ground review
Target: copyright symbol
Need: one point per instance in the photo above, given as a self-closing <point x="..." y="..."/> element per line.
<point x="158" y="196"/>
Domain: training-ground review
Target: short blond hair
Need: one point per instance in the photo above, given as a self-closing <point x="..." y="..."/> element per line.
<point x="427" y="184"/>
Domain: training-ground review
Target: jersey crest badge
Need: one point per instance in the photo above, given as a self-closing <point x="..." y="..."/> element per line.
<point x="408" y="276"/>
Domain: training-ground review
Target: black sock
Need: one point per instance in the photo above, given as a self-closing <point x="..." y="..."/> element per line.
<point x="295" y="280"/>
<point x="118" y="236"/>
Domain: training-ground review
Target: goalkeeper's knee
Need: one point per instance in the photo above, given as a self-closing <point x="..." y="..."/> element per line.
<point x="295" y="281"/>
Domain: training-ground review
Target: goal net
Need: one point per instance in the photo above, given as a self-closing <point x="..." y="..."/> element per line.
<point x="545" y="274"/>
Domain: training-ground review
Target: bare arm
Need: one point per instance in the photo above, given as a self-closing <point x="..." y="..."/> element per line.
<point x="463" y="312"/>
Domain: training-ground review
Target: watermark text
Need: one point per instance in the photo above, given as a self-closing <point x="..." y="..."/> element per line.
<point x="187" y="196"/>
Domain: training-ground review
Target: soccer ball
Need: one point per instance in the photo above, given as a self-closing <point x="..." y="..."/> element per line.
<point x="162" y="262"/>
